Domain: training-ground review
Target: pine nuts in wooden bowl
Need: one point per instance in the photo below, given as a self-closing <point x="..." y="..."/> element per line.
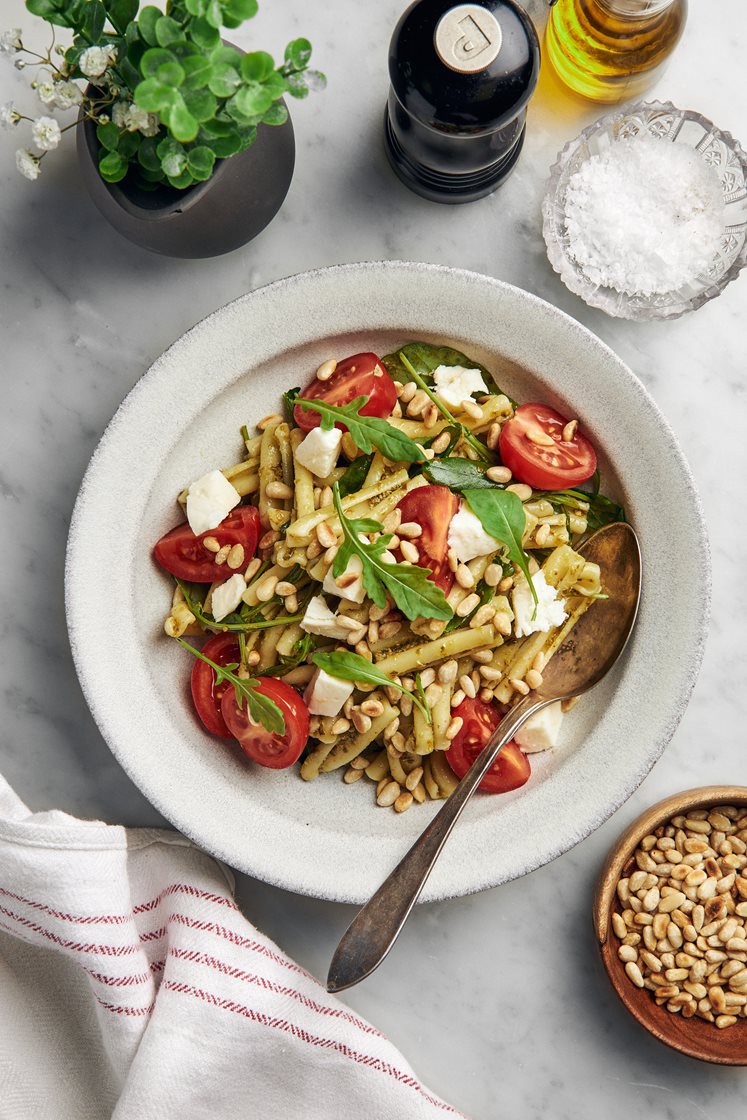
<point x="674" y="942"/>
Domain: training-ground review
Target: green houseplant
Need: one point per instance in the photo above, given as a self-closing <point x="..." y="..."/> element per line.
<point x="173" y="119"/>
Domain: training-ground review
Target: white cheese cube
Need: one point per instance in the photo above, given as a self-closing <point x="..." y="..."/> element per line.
<point x="540" y="732"/>
<point x="319" y="619"/>
<point x="454" y="384"/>
<point x="550" y="611"/>
<point x="318" y="451"/>
<point x="325" y="695"/>
<point x="351" y="589"/>
<point x="227" y="596"/>
<point x="467" y="536"/>
<point x="209" y="500"/>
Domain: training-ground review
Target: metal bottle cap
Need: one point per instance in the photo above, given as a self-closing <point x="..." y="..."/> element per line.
<point x="461" y="76"/>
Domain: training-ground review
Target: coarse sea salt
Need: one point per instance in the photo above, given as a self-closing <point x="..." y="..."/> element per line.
<point x="644" y="216"/>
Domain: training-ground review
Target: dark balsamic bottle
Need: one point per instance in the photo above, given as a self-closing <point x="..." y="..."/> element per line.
<point x="461" y="76"/>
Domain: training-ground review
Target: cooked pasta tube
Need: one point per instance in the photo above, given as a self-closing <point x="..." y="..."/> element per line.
<point x="352" y="743"/>
<point x="423" y="732"/>
<point x="429" y="781"/>
<point x="287" y="638"/>
<point x="282" y="435"/>
<point x="314" y="759"/>
<point x="378" y="768"/>
<point x="441" y="716"/>
<point x="303" y="481"/>
<point x="299" y="532"/>
<point x="396" y="769"/>
<point x="442" y="774"/>
<point x="375" y="471"/>
<point x="270" y="469"/>
<point x="447" y="646"/>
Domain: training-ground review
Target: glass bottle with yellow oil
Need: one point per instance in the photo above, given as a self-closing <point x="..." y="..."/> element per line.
<point x="611" y="50"/>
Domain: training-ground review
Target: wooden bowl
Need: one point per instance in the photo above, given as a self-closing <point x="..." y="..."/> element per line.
<point x="695" y="1037"/>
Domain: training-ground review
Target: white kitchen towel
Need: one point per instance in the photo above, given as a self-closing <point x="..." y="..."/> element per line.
<point x="132" y="987"/>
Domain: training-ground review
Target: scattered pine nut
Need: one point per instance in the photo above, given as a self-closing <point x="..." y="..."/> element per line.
<point x="326" y="369"/>
<point x="211" y="544"/>
<point x="498" y="474"/>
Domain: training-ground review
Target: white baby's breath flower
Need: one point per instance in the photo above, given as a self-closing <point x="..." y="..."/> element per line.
<point x="46" y="93"/>
<point x="120" y="114"/>
<point x="67" y="94"/>
<point x="46" y="133"/>
<point x="140" y="121"/>
<point x="10" y="41"/>
<point x="95" y="61"/>
<point x="27" y="163"/>
<point x="9" y="118"/>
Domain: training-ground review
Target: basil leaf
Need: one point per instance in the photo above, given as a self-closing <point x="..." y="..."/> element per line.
<point x="367" y="431"/>
<point x="502" y="515"/>
<point x="425" y="358"/>
<point x="261" y="708"/>
<point x="459" y="474"/>
<point x="352" y="667"/>
<point x="413" y="592"/>
<point x="355" y="475"/>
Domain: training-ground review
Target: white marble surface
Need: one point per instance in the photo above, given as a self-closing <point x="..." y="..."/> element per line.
<point x="497" y="1000"/>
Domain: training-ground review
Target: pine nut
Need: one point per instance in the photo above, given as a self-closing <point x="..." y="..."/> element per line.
<point x="222" y="554"/>
<point x="618" y="925"/>
<point x="340" y="726"/>
<point x="403" y="802"/>
<point x="464" y="577"/>
<point x="430" y="418"/>
<point x="457" y="698"/>
<point x="447" y="672"/>
<point x="433" y="694"/>
<point x="325" y="535"/>
<point x="326" y="369"/>
<point x="409" y="551"/>
<point x="489" y="673"/>
<point x="410" y="529"/>
<point x="352" y="775"/>
<point x="441" y="442"/>
<point x="493" y="575"/>
<point x="408" y="391"/>
<point x="472" y="409"/>
<point x="413" y="778"/>
<point x="482" y="615"/>
<point x="467" y="606"/>
<point x="211" y="544"/>
<point x="454" y="728"/>
<point x="519" y="686"/>
<point x="506" y="584"/>
<point x="266" y="588"/>
<point x="569" y="431"/>
<point x="389" y="629"/>
<point x="634" y="973"/>
<point x="498" y="474"/>
<point x="482" y="656"/>
<point x="389" y="794"/>
<point x="542" y="535"/>
<point x="372" y="708"/>
<point x="534" y="679"/>
<point x="418" y="403"/>
<point x="278" y="490"/>
<point x="627" y="953"/>
<point x="494" y="434"/>
<point x="725" y="1021"/>
<point x="466" y="685"/>
<point x="521" y="490"/>
<point x="284" y="588"/>
<point x="266" y="421"/>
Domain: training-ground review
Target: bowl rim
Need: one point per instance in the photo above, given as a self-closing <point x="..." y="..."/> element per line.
<point x="605" y="896"/>
<point x="561" y="263"/>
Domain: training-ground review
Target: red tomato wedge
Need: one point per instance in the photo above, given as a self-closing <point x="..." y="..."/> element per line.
<point x="185" y="556"/>
<point x="223" y="649"/>
<point x="263" y="746"/>
<point x="431" y="507"/>
<point x="361" y="375"/>
<point x="510" y="770"/>
<point x="545" y="465"/>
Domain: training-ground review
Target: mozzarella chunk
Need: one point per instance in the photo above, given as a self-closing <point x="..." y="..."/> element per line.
<point x="540" y="732"/>
<point x="318" y="451"/>
<point x="319" y="619"/>
<point x="209" y="500"/>
<point x="354" y="590"/>
<point x="455" y="384"/>
<point x="550" y="611"/>
<point x="467" y="536"/>
<point x="227" y="596"/>
<point x="325" y="695"/>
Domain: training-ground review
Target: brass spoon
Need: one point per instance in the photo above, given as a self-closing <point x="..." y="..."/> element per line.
<point x="591" y="649"/>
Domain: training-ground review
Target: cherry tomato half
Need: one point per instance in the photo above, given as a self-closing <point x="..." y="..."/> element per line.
<point x="510" y="770"/>
<point x="431" y="507"/>
<point x="223" y="649"/>
<point x="185" y="556"/>
<point x="545" y="466"/>
<point x="361" y="375"/>
<point x="263" y="746"/>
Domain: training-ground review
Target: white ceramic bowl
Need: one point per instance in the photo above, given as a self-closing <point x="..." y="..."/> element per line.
<point x="183" y="417"/>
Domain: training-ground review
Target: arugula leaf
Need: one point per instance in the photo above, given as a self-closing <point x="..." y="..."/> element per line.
<point x="355" y="475"/>
<point x="367" y="431"/>
<point x="289" y="400"/>
<point x="466" y="434"/>
<point x="413" y="592"/>
<point x="244" y="626"/>
<point x="261" y="708"/>
<point x="301" y="650"/>
<point x="502" y="516"/>
<point x="459" y="474"/>
<point x="352" y="667"/>
<point x="601" y="510"/>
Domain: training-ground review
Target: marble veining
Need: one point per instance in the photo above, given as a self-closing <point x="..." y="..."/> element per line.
<point x="497" y="999"/>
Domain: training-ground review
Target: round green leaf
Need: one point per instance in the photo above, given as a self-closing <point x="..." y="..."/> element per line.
<point x="227" y="54"/>
<point x="256" y="66"/>
<point x="298" y="53"/>
<point x="147" y="21"/>
<point x="181" y="182"/>
<point x="170" y="147"/>
<point x="224" y="146"/>
<point x="129" y="142"/>
<point x="170" y="73"/>
<point x="156" y="176"/>
<point x="224" y="80"/>
<point x="154" y="96"/>
<point x="201" y="103"/>
<point x="108" y="136"/>
<point x="168" y="31"/>
<point x="153" y="59"/>
<point x="276" y="114"/>
<point x="196" y="7"/>
<point x="239" y="9"/>
<point x="113" y="167"/>
<point x="200" y="162"/>
<point x="213" y="13"/>
<point x="253" y="98"/>
<point x="276" y="85"/>
<point x="297" y="86"/>
<point x="182" y="124"/>
<point x="147" y="154"/>
<point x="198" y="70"/>
<point x="203" y="34"/>
<point x="248" y="136"/>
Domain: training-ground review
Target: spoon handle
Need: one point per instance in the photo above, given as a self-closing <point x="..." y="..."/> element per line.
<point x="373" y="931"/>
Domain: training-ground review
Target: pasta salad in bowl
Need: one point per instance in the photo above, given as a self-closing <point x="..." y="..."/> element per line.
<point x="385" y="572"/>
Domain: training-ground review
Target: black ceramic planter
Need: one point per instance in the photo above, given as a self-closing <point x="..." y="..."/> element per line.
<point x="243" y="195"/>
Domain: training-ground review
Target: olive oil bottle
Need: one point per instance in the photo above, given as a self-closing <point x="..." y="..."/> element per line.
<point x="612" y="50"/>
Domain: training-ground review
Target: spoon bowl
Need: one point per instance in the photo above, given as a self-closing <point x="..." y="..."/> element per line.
<point x="586" y="655"/>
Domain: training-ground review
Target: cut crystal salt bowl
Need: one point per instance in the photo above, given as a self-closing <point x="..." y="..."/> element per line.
<point x="659" y="121"/>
